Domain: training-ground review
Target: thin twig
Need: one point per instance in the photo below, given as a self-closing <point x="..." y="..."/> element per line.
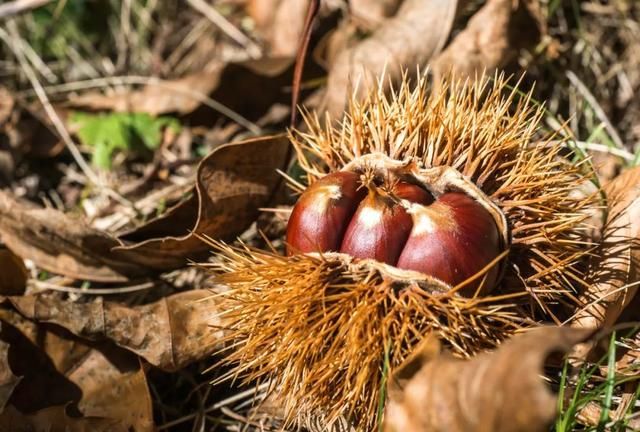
<point x="19" y="6"/>
<point x="300" y="58"/>
<point x="91" y="291"/>
<point x="229" y="29"/>
<point x="37" y="62"/>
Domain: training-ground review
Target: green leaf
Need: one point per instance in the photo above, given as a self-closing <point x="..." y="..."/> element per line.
<point x="127" y="132"/>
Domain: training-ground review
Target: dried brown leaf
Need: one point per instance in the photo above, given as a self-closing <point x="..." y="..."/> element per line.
<point x="13" y="276"/>
<point x="392" y="48"/>
<point x="372" y="13"/>
<point x="60" y="243"/>
<point x="99" y="380"/>
<point x="113" y="389"/>
<point x="492" y="38"/>
<point x="280" y="23"/>
<point x="261" y="12"/>
<point x="327" y="50"/>
<point x="55" y="419"/>
<point x="615" y="264"/>
<point x="288" y="27"/>
<point x="500" y="391"/>
<point x="607" y="166"/>
<point x="232" y="183"/>
<point x="169" y="333"/>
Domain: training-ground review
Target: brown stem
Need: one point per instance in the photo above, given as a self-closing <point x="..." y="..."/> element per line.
<point x="300" y="58"/>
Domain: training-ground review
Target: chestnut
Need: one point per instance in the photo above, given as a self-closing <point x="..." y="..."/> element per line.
<point x="321" y="215"/>
<point x="412" y="193"/>
<point x="452" y="240"/>
<point x="378" y="230"/>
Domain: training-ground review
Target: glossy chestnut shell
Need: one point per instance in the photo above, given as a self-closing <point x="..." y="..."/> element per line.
<point x="448" y="235"/>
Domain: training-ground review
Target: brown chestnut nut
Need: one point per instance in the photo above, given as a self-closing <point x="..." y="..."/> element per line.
<point x="412" y="193"/>
<point x="378" y="230"/>
<point x="321" y="215"/>
<point x="452" y="240"/>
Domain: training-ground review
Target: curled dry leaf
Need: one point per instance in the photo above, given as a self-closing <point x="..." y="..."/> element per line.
<point x="492" y="38"/>
<point x="13" y="276"/>
<point x="232" y="183"/>
<point x="392" y="48"/>
<point x="99" y="380"/>
<point x="169" y="333"/>
<point x="614" y="266"/>
<point x="500" y="391"/>
<point x="55" y="419"/>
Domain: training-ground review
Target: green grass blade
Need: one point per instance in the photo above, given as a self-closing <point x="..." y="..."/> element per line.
<point x="609" y="383"/>
<point x="383" y="386"/>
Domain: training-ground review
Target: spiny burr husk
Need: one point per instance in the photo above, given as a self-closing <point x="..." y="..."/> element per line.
<point x="325" y="329"/>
